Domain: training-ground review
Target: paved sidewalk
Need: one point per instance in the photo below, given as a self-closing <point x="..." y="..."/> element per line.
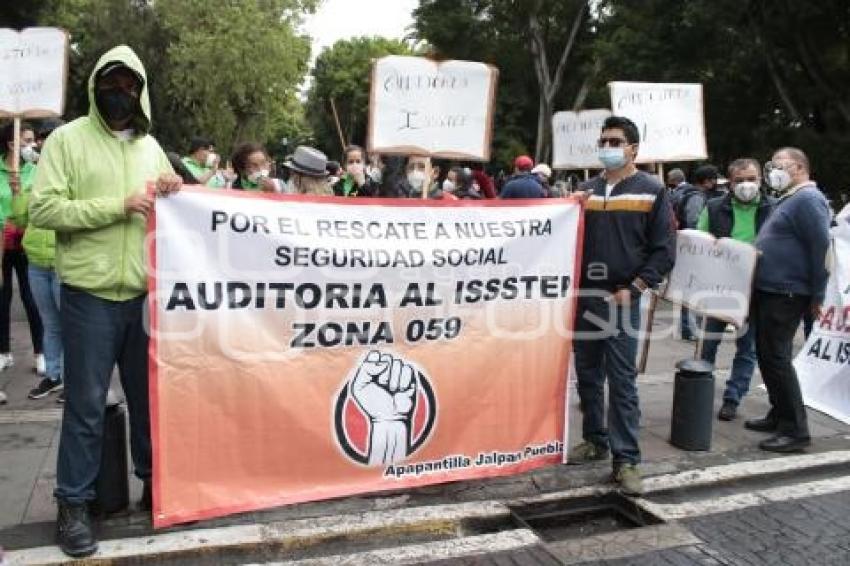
<point x="29" y="437"/>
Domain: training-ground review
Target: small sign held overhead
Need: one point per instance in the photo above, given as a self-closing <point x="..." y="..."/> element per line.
<point x="425" y="107"/>
<point x="574" y="136"/>
<point x="669" y="118"/>
<point x="33" y="72"/>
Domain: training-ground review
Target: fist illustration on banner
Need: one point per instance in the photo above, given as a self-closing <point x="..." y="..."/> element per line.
<point x="384" y="387"/>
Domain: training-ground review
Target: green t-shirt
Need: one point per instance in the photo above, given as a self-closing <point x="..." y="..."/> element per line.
<point x="27" y="173"/>
<point x="197" y="170"/>
<point x="743" y="220"/>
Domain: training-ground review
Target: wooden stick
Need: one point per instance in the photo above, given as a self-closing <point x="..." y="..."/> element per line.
<point x="16" y="148"/>
<point x="643" y="352"/>
<point x="338" y="127"/>
<point x="701" y="337"/>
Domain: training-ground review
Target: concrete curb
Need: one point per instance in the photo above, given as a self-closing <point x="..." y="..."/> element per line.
<point x="288" y="535"/>
<point x="446" y="520"/>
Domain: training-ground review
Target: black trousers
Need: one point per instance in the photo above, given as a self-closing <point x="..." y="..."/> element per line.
<point x="777" y="320"/>
<point x="15" y="261"/>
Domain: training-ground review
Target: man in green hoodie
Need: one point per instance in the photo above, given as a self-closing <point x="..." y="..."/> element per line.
<point x="90" y="188"/>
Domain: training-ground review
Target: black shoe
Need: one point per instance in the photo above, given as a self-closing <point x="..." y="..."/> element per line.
<point x="61" y="397"/>
<point x="728" y="411"/>
<point x="781" y="443"/>
<point x="74" y="532"/>
<point x="767" y="424"/>
<point x="146" y="502"/>
<point x="45" y="387"/>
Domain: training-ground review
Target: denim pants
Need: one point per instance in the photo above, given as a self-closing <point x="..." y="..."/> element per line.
<point x="97" y="334"/>
<point x="777" y="319"/>
<point x="44" y="286"/>
<point x="15" y="263"/>
<point x="607" y="351"/>
<point x="745" y="360"/>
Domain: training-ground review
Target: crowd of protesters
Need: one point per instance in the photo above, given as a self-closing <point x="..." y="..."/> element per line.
<point x="74" y="220"/>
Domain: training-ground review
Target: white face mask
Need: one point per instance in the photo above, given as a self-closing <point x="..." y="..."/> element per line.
<point x="746" y="191"/>
<point x="29" y="153"/>
<point x="448" y="186"/>
<point x="257" y="176"/>
<point x="779" y="180"/>
<point x="212" y="158"/>
<point x="355" y="169"/>
<point x="416" y="179"/>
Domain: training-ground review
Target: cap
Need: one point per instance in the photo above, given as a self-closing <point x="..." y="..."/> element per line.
<point x="542" y="169"/>
<point x="524" y="163"/>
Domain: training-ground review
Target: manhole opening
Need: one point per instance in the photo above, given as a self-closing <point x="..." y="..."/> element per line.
<point x="580" y="517"/>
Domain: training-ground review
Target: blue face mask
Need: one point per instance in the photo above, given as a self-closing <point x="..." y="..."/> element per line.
<point x="612" y="157"/>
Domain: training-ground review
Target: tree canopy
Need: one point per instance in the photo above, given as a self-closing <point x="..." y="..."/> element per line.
<point x="341" y="75"/>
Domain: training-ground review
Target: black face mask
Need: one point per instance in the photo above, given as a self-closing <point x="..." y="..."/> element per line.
<point x="115" y="105"/>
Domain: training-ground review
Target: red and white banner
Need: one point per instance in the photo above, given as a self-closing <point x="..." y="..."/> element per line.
<point x="823" y="365"/>
<point x="313" y="348"/>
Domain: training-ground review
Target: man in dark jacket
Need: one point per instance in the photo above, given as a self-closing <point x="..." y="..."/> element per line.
<point x="524" y="183"/>
<point x="738" y="215"/>
<point x="790" y="280"/>
<point x="629" y="246"/>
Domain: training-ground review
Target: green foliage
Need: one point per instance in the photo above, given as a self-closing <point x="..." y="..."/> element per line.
<point x="227" y="70"/>
<point x="342" y="74"/>
<point x="775" y="72"/>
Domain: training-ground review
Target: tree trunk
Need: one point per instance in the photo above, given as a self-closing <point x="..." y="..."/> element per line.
<point x="549" y="82"/>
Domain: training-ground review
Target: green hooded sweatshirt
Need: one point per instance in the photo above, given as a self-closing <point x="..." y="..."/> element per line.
<point x="39" y="244"/>
<point x="84" y="175"/>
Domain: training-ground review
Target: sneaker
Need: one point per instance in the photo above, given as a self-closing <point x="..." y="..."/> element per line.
<point x="74" y="533"/>
<point x="587" y="452"/>
<point x="3" y="398"/>
<point x="628" y="477"/>
<point x="6" y="361"/>
<point x="728" y="411"/>
<point x="61" y="397"/>
<point x="45" y="388"/>
<point x="40" y="364"/>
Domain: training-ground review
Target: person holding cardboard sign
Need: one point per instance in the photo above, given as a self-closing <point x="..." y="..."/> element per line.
<point x="90" y="188"/>
<point x="739" y="215"/>
<point x="629" y="246"/>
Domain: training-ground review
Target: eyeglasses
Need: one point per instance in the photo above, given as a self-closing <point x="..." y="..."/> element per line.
<point x="611" y="142"/>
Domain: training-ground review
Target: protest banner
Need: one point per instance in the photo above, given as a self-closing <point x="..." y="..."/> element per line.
<point x="33" y="71"/>
<point x="574" y="137"/>
<point x="712" y="276"/>
<point x="422" y="107"/>
<point x="823" y="365"/>
<point x="669" y="118"/>
<point x="306" y="348"/>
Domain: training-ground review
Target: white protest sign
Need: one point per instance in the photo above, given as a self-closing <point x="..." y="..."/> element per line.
<point x="574" y="136"/>
<point x="669" y="117"/>
<point x="711" y="276"/>
<point x="442" y="109"/>
<point x="823" y="365"/>
<point x="33" y="69"/>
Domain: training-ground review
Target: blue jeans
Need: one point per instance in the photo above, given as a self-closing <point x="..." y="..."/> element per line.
<point x="44" y="286"/>
<point x="611" y="353"/>
<point x="97" y="334"/>
<point x="744" y="363"/>
<point x="689" y="323"/>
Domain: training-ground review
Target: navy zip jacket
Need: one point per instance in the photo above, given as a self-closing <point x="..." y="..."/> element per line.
<point x="628" y="235"/>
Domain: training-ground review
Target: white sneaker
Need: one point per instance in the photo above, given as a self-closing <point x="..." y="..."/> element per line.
<point x="40" y="364"/>
<point x="2" y="398"/>
<point x="6" y="361"/>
